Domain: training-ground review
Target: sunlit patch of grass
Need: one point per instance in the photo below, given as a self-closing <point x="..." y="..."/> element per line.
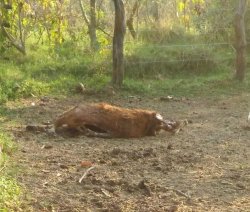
<point x="147" y="61"/>
<point x="9" y="189"/>
<point x="7" y="147"/>
<point x="10" y="194"/>
<point x="44" y="72"/>
<point x="31" y="87"/>
<point x="221" y="83"/>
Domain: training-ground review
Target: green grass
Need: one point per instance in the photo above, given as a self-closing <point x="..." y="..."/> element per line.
<point x="54" y="72"/>
<point x="10" y="194"/>
<point x="162" y="61"/>
<point x="7" y="147"/>
<point x="10" y="190"/>
<point x="212" y="84"/>
<point x="149" y="71"/>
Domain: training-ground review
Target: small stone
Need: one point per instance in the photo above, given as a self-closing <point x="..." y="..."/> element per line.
<point x="241" y="186"/>
<point x="158" y="168"/>
<point x="143" y="185"/>
<point x="45" y="99"/>
<point x="114" y="163"/>
<point x="166" y="98"/>
<point x="116" y="151"/>
<point x="172" y="208"/>
<point x="45" y="184"/>
<point x="148" y="152"/>
<point x="46" y="122"/>
<point x="101" y="161"/>
<point x="62" y="166"/>
<point x="170" y="147"/>
<point x="80" y="88"/>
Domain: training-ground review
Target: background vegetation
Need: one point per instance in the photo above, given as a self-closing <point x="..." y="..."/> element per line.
<point x="177" y="44"/>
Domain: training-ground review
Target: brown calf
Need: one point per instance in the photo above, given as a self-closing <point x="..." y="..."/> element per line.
<point x="104" y="120"/>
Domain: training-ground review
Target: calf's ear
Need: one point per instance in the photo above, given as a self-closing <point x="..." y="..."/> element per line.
<point x="158" y="116"/>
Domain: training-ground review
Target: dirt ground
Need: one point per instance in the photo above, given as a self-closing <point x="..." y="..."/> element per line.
<point x="205" y="167"/>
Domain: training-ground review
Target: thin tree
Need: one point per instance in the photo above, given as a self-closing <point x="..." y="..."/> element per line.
<point x="155" y="10"/>
<point x="91" y="23"/>
<point x="118" y="43"/>
<point x="240" y="38"/>
<point x="17" y="42"/>
<point x="130" y="21"/>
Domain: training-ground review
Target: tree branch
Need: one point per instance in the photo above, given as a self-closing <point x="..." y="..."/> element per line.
<point x="106" y="33"/>
<point x="131" y="19"/>
<point x="20" y="46"/>
<point x="16" y="44"/>
<point x="21" y="34"/>
<point x="83" y="13"/>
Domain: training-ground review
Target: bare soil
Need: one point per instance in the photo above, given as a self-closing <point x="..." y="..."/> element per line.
<point x="205" y="167"/>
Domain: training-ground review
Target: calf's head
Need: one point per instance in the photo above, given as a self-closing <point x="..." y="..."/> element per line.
<point x="162" y="124"/>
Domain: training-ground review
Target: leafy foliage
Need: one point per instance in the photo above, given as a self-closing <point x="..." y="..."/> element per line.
<point x="7" y="147"/>
<point x="184" y="40"/>
<point x="10" y="194"/>
<point x="10" y="190"/>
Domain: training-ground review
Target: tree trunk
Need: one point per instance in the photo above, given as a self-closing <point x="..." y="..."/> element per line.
<point x="155" y="8"/>
<point x="118" y="39"/>
<point x="241" y="43"/>
<point x="131" y="19"/>
<point x="91" y="24"/>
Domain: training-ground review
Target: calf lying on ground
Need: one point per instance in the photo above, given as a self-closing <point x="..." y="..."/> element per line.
<point x="104" y="120"/>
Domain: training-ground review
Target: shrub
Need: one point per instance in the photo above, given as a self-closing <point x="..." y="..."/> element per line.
<point x="151" y="60"/>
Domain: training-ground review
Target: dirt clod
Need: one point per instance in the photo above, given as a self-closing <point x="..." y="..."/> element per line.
<point x="63" y="166"/>
<point x="143" y="185"/>
<point x="172" y="208"/>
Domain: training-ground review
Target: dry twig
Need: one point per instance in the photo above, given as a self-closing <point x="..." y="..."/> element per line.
<point x="85" y="173"/>
<point x="182" y="193"/>
<point x="105" y="192"/>
<point x="2" y="168"/>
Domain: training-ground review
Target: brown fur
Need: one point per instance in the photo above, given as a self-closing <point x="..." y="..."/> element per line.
<point x="113" y="120"/>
